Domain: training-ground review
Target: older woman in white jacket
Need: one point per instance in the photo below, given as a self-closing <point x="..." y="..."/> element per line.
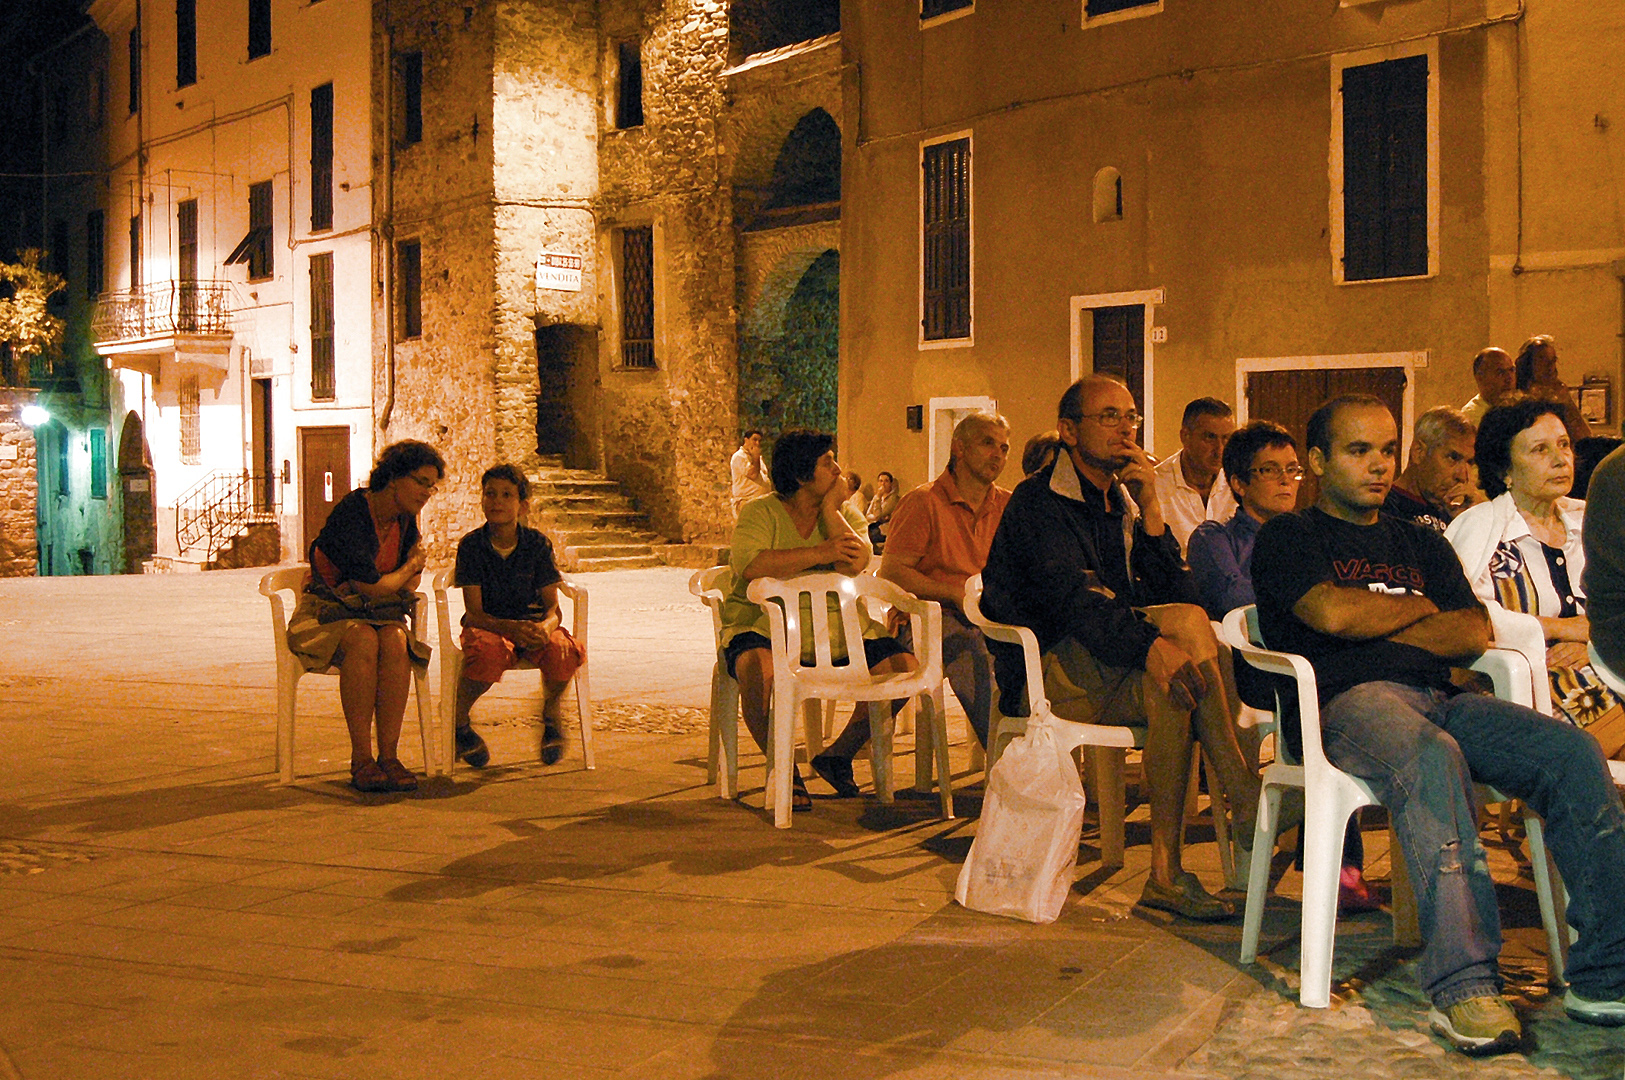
<point x="1522" y="554"/>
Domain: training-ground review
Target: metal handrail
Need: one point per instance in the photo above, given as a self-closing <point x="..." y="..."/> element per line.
<point x="223" y="505"/>
<point x="164" y="307"/>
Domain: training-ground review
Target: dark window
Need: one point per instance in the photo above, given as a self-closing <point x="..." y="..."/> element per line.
<point x="1105" y="7"/>
<point x="255" y="248"/>
<point x="259" y="28"/>
<point x="64" y="487"/>
<point x="629" y="90"/>
<point x="321" y="157"/>
<point x="947" y="241"/>
<point x="98" y="96"/>
<point x="1385" y="169"/>
<point x="930" y="9"/>
<point x="186" y="265"/>
<point x="191" y="421"/>
<point x="321" y="327"/>
<point x="98" y="463"/>
<point x="409" y="265"/>
<point x="135" y="69"/>
<point x="411" y="98"/>
<point x="58" y="255"/>
<point x="638" y="297"/>
<point x="185" y="42"/>
<point x="135" y="252"/>
<point x="95" y="253"/>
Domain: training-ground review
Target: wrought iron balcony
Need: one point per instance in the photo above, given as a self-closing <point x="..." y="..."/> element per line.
<point x="164" y="309"/>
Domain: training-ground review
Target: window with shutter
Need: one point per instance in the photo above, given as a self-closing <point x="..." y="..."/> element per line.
<point x="255" y="248"/>
<point x="409" y="268"/>
<point x="185" y="42"/>
<point x="321" y="327"/>
<point x="1385" y="169"/>
<point x="259" y="28"/>
<point x="321" y="157"/>
<point x="945" y="284"/>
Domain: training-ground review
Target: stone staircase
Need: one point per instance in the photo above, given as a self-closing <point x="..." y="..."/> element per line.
<point x="591" y="522"/>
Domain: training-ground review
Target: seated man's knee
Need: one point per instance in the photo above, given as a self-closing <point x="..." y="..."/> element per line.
<point x="1188" y="627"/>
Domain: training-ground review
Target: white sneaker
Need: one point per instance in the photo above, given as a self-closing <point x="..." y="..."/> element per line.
<point x="1605" y="1013"/>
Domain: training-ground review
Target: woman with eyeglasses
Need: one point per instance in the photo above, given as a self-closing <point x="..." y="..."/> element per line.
<point x="364" y="569"/>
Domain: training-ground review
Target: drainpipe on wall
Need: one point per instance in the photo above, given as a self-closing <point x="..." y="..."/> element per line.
<point x="384" y="250"/>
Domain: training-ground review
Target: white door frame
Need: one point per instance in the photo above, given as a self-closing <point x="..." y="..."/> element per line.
<point x="1150" y="298"/>
<point x="940" y="409"/>
<point x="1409" y="361"/>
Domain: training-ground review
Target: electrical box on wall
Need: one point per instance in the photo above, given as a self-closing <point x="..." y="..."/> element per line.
<point x="916" y="417"/>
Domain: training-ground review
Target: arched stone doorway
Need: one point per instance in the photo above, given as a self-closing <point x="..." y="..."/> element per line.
<point x="136" y="483"/>
<point x="790" y="369"/>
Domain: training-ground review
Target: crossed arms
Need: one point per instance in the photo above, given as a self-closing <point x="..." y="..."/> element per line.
<point x="1360" y="615"/>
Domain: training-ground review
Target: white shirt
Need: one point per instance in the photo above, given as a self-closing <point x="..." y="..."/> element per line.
<point x="1183" y="507"/>
<point x="1475" y="409"/>
<point x="744" y="486"/>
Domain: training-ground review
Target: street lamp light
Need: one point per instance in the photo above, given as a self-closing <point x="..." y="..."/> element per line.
<point x="34" y="416"/>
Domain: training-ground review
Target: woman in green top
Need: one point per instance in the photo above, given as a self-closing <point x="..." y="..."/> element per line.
<point x="800" y="528"/>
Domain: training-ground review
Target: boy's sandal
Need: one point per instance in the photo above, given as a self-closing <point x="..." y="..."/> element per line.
<point x="368" y="777"/>
<point x="800" y="801"/>
<point x="398" y="776"/>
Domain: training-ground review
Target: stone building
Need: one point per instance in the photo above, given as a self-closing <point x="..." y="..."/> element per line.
<point x="1264" y="203"/>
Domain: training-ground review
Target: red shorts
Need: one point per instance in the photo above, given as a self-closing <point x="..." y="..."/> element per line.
<point x="486" y="656"/>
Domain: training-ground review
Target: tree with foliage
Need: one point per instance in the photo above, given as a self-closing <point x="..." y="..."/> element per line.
<point x="27" y="327"/>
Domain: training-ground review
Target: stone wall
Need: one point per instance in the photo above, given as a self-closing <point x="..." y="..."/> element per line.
<point x="18" y="553"/>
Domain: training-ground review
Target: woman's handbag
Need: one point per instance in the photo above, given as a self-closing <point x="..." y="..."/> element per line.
<point x="1026" y="848"/>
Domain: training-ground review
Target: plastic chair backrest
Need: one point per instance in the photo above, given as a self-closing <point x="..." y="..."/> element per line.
<point x="707" y="585"/>
<point x="781" y="599"/>
<point x="1242" y="634"/>
<point x="275" y="582"/>
<point x="1037" y="703"/>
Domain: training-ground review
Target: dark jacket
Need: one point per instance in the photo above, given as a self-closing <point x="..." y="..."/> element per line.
<point x="1065" y="563"/>
<point x="350" y="541"/>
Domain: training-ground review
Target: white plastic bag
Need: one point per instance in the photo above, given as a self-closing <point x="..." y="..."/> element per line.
<point x="1026" y="847"/>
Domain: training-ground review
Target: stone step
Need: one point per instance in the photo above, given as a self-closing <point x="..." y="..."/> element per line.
<point x="582" y="501"/>
<point x="610" y="551"/>
<point x="575" y="520"/>
<point x="587" y="537"/>
<point x="627" y="562"/>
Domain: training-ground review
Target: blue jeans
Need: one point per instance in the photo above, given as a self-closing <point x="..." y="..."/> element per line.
<point x="1421" y="750"/>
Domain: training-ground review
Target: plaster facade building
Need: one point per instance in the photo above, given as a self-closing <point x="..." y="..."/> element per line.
<point x="1263" y="204"/>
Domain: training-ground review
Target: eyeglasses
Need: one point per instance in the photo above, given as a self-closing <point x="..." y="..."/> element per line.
<point x="1111" y="418"/>
<point x="426" y="485"/>
<point x="1276" y="472"/>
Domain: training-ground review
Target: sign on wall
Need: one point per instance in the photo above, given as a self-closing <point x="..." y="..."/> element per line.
<point x="556" y="270"/>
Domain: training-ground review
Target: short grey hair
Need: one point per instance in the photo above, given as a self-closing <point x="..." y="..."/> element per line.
<point x="1438" y="425"/>
<point x="967" y="423"/>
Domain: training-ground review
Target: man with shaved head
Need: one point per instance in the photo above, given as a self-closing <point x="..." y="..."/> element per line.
<point x="1496" y="375"/>
<point x="1084" y="558"/>
<point x="1381" y="609"/>
<point x="939" y="536"/>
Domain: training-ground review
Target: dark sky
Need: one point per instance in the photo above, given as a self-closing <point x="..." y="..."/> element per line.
<point x="27" y="27"/>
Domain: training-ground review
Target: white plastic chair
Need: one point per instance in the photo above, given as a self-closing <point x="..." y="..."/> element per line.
<point x="289" y="670"/>
<point x="451" y="665"/>
<point x="1331" y="795"/>
<point x="796" y="684"/>
<point x="1108" y="744"/>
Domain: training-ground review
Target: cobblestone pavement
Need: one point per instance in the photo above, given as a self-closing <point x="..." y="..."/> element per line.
<point x="167" y="910"/>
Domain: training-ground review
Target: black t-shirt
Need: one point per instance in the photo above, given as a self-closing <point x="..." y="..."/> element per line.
<point x="1297" y="551"/>
<point x="509" y="587"/>
<point x="1402" y="504"/>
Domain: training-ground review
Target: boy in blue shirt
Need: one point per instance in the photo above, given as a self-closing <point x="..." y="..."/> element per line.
<point x="511" y="612"/>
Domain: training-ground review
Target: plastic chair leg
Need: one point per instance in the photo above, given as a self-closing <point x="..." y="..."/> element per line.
<point x="812" y="725"/>
<point x="978" y="756"/>
<point x="451" y="677"/>
<point x="584" y="709"/>
<point x="428" y="729"/>
<point x="1549" y="891"/>
<point x="1322" y="858"/>
<point x="287" y="693"/>
<point x="939" y="724"/>
<point x="724" y="734"/>
<point x="882" y="733"/>
<point x="1108" y="763"/>
<point x="925" y="739"/>
<point x="782" y="765"/>
<point x="1258" y="874"/>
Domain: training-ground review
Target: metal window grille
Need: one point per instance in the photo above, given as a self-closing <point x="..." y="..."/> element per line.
<point x="259" y="28"/>
<point x="1385" y="159"/>
<point x="629" y="91"/>
<point x="411" y="98"/>
<point x="930" y="9"/>
<point x="321" y="328"/>
<point x="946" y="284"/>
<point x="637" y="297"/>
<point x="409" y="265"/>
<point x="95" y="253"/>
<point x="191" y="428"/>
<point x="185" y="42"/>
<point x="321" y="157"/>
<point x="98" y="463"/>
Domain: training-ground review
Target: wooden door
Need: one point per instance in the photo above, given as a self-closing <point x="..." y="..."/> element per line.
<point x="324" y="475"/>
<point x="263" y="467"/>
<point x="1119" y="346"/>
<point x="1289" y="397"/>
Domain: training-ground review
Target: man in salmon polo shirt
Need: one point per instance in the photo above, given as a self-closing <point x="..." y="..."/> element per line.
<point x="939" y="536"/>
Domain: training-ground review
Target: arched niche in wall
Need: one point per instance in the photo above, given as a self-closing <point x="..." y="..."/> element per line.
<point x="758" y="26"/>
<point x="807" y="171"/>
<point x="789" y="350"/>
<point x="1108" y="195"/>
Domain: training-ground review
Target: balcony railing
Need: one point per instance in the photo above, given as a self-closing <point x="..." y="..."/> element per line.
<point x="164" y="309"/>
<point x="222" y="505"/>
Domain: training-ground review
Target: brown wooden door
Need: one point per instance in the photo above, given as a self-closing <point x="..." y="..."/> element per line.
<point x="1289" y="397"/>
<point x="1119" y="346"/>
<point x="324" y="475"/>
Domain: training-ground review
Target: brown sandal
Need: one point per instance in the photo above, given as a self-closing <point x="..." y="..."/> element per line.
<point x="367" y="776"/>
<point x="398" y="776"/>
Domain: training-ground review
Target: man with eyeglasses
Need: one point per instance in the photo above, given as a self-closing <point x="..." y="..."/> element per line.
<point x="1084" y="557"/>
<point x="1437" y="484"/>
<point x="1191" y="481"/>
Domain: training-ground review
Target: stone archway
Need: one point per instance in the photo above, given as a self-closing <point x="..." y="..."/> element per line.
<point x="789" y="357"/>
<point x="136" y="483"/>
